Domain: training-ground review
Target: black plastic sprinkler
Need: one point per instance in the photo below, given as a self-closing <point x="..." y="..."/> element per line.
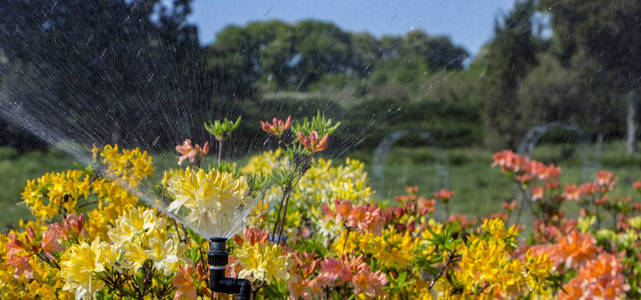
<point x="217" y="259"/>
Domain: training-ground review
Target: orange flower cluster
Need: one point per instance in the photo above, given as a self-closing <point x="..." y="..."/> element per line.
<point x="277" y="127"/>
<point x="354" y="270"/>
<point x="184" y="283"/>
<point x="603" y="183"/>
<point x="364" y="218"/>
<point x="412" y="202"/>
<point x="600" y="278"/>
<point x="19" y="252"/>
<point x="304" y="268"/>
<point x="191" y="152"/>
<point x="571" y="251"/>
<point x="523" y="168"/>
<point x="252" y="235"/>
<point x="312" y="143"/>
<point x="444" y="195"/>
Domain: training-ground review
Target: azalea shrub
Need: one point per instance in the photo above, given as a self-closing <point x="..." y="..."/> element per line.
<point x="313" y="230"/>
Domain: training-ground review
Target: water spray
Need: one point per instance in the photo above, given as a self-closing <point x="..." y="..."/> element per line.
<point x="217" y="258"/>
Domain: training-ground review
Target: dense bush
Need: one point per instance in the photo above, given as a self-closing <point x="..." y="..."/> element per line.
<point x="92" y="238"/>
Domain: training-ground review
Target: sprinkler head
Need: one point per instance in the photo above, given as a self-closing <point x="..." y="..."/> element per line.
<point x="217" y="258"/>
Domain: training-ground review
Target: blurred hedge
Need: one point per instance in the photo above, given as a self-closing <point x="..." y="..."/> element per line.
<point x="365" y="123"/>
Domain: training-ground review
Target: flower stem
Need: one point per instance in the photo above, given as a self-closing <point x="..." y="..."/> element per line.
<point x="220" y="151"/>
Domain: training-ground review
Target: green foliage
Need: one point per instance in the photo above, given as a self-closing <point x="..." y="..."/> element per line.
<point x="222" y="129"/>
<point x="319" y="123"/>
<point x="577" y="94"/>
<point x="7" y="153"/>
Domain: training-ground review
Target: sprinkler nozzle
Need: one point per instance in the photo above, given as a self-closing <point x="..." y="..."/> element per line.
<point x="217" y="258"/>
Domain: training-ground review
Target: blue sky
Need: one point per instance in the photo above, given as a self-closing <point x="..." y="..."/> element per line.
<point x="468" y="23"/>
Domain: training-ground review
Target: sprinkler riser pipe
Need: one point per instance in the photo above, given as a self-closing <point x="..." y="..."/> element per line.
<point x="217" y="258"/>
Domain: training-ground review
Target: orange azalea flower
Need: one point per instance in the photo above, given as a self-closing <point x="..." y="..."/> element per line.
<point x="365" y="218"/>
<point x="574" y="250"/>
<point x="304" y="288"/>
<point x="572" y="192"/>
<point x="184" y="284"/>
<point x="637" y="185"/>
<point x="14" y="245"/>
<point x="191" y="152"/>
<point x="277" y="127"/>
<point x="73" y="226"/>
<point x="537" y="192"/>
<point x="32" y="240"/>
<point x="601" y="278"/>
<point x="523" y="168"/>
<point x="22" y="265"/>
<point x="411" y="189"/>
<point x="552" y="185"/>
<point x="552" y="172"/>
<point x="509" y="206"/>
<point x="588" y="189"/>
<point x="509" y="161"/>
<point x="444" y="195"/>
<point x="525" y="178"/>
<point x="604" y="177"/>
<point x="252" y="235"/>
<point x="332" y="269"/>
<point x="312" y="143"/>
<point x="50" y="239"/>
<point x="426" y="206"/>
<point x="368" y="283"/>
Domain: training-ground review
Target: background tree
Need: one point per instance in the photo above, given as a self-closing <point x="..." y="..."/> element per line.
<point x="609" y="33"/>
<point x="510" y="55"/>
<point x="577" y="93"/>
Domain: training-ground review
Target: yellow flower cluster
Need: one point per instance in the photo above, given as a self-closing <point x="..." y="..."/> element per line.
<point x="80" y="262"/>
<point x="323" y="183"/>
<point x="266" y="262"/>
<point x="140" y="235"/>
<point x="265" y="163"/>
<point x="209" y="201"/>
<point x="56" y="193"/>
<point x="487" y="268"/>
<point x="59" y="193"/>
<point x="113" y="201"/>
<point x="393" y="249"/>
<point x="128" y="166"/>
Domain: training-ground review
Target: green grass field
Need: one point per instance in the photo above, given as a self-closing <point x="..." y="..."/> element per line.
<point x="479" y="189"/>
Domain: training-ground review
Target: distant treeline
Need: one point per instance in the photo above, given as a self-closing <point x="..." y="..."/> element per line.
<point x="138" y="69"/>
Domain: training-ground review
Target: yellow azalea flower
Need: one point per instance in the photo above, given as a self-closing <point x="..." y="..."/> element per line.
<point x="134" y="255"/>
<point x="265" y="163"/>
<point x="128" y="166"/>
<point x="393" y="249"/>
<point x="212" y="199"/>
<point x="78" y="264"/>
<point x="263" y="262"/>
<point x="163" y="254"/>
<point x="347" y="242"/>
<point x="140" y="234"/>
<point x="135" y="222"/>
<point x="487" y="265"/>
<point x="54" y="192"/>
